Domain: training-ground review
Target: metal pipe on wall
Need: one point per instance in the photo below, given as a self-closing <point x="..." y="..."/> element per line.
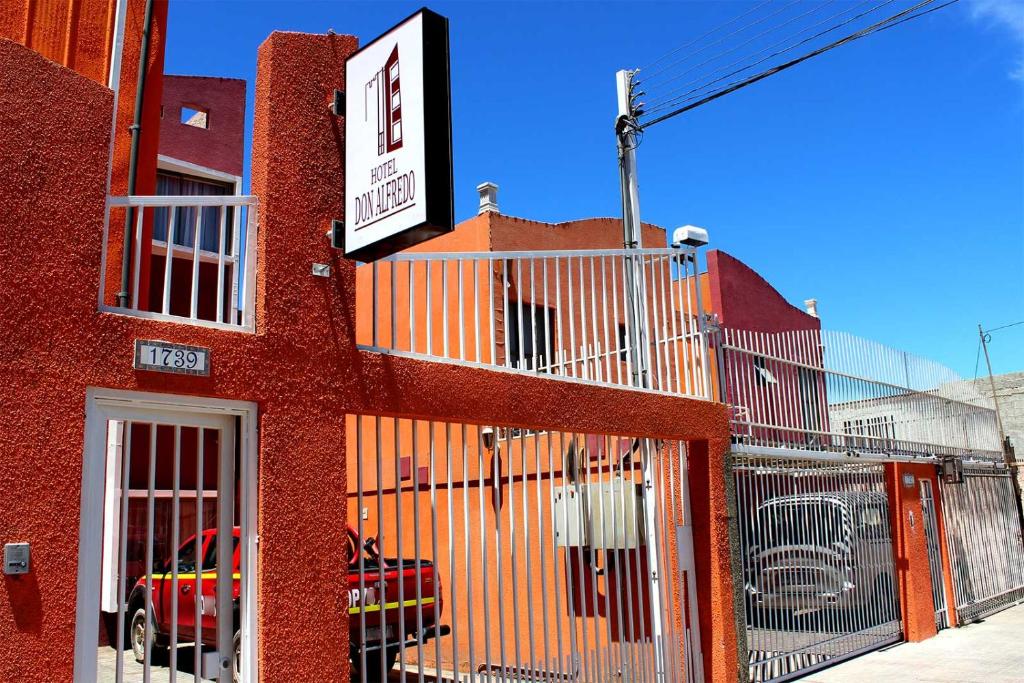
<point x="133" y="159"/>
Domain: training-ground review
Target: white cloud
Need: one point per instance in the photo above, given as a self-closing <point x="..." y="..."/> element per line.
<point x="1007" y="14"/>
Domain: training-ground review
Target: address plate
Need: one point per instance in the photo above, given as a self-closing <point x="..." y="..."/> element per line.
<point x="174" y="358"/>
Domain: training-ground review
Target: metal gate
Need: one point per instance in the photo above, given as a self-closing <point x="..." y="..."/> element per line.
<point x="818" y="571"/>
<point x="984" y="538"/>
<point x="931" y="531"/>
<point x="511" y="554"/>
<point x="165" y="581"/>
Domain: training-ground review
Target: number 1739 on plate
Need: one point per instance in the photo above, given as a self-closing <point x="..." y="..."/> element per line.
<point x="167" y="357"/>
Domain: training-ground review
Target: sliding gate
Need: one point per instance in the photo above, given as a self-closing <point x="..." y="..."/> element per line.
<point x="984" y="538"/>
<point x="509" y="554"/>
<point x="818" y="572"/>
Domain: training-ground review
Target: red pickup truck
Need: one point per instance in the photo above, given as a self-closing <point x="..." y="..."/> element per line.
<point x="384" y="618"/>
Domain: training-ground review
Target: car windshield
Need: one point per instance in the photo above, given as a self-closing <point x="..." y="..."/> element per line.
<point x="803" y="523"/>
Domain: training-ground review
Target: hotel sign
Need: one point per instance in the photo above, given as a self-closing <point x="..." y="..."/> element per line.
<point x="398" y="141"/>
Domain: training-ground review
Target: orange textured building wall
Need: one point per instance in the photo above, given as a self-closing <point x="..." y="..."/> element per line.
<point x="79" y="34"/>
<point x="74" y="33"/>
<point x="301" y="367"/>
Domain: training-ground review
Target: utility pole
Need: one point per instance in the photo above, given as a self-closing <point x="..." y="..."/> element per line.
<point x="1004" y="443"/>
<point x="626" y="129"/>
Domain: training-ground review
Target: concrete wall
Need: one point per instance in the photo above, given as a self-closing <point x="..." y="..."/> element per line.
<point x="1010" y="394"/>
<point x="220" y="144"/>
<point x="301" y="367"/>
<point x="74" y="33"/>
<point x="744" y="300"/>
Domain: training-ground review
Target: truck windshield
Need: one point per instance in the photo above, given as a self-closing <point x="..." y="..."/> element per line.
<point x="819" y="524"/>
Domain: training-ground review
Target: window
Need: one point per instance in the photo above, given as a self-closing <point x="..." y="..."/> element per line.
<point x="210" y="558"/>
<point x="534" y="348"/>
<point x="763" y="375"/>
<point x="192" y="116"/>
<point x="185" y="218"/>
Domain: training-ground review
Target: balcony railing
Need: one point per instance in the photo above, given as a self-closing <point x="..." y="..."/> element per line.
<point x="199" y="265"/>
<point x="832" y="391"/>
<point x="563" y="314"/>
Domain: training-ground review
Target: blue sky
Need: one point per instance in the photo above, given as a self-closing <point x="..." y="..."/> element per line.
<point x="885" y="179"/>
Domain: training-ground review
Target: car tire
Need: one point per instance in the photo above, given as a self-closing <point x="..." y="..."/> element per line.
<point x="137" y="635"/>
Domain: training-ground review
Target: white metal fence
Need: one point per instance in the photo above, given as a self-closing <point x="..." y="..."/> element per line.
<point x="983" y="535"/>
<point x="817" y="557"/>
<point x="822" y="390"/>
<point x="505" y="554"/>
<point x="565" y="314"/>
<point x="201" y="265"/>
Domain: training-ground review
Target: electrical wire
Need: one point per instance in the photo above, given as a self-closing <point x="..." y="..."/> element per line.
<point x="1003" y="327"/>
<point x="705" y="35"/>
<point x="814" y="10"/>
<point x="670" y="98"/>
<point x="722" y="39"/>
<point x="905" y="15"/>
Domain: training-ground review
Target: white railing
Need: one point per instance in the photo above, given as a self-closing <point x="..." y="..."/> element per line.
<point x="201" y="263"/>
<point x="564" y="314"/>
<point x="827" y="390"/>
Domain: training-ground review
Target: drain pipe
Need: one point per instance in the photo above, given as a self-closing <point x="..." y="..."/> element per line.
<point x="133" y="159"/>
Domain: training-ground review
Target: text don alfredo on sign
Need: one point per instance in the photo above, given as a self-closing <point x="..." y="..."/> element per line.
<point x="398" y="150"/>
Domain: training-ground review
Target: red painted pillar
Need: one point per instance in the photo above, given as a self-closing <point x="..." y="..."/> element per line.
<point x="709" y="507"/>
<point x="298" y="176"/>
<point x="910" y="546"/>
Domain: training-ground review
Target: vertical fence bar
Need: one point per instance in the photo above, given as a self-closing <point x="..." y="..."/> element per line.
<point x="175" y="542"/>
<point x="194" y="299"/>
<point x="137" y="260"/>
<point x="122" y="551"/>
<point x="149" y="635"/>
<point x="221" y="229"/>
<point x="197" y="662"/>
<point x="169" y="262"/>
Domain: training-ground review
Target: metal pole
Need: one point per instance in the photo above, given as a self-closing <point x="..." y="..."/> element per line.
<point x="1008" y="457"/>
<point x="133" y="161"/>
<point x="626" y="127"/>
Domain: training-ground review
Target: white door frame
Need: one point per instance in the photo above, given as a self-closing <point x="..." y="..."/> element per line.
<point x="103" y="405"/>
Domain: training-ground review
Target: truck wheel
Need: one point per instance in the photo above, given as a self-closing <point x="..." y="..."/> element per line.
<point x="236" y="658"/>
<point x="137" y="635"/>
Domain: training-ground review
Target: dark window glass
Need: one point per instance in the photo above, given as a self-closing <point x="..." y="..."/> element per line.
<point x="533" y="348"/>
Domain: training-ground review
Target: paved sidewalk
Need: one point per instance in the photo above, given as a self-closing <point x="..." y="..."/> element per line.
<point x="988" y="652"/>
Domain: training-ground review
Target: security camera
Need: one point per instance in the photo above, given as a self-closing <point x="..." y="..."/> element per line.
<point x="689" y="235"/>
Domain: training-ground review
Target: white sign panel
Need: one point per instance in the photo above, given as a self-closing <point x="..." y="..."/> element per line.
<point x="175" y="358"/>
<point x="398" y="175"/>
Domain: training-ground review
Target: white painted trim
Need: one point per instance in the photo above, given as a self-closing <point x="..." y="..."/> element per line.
<point x="167" y="493"/>
<point x="103" y="405"/>
<point x="111" y="510"/>
<point x="166" y="163"/>
<point x="182" y="320"/>
<point x="117" y="49"/>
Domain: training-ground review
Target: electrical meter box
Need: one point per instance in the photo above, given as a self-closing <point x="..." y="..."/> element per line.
<point x="601" y="516"/>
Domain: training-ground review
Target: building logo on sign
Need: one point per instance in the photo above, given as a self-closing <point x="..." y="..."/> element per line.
<point x="398" y="176"/>
<point x="385" y="89"/>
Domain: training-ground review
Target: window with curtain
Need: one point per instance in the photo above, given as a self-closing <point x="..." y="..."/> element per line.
<point x="185" y="218"/>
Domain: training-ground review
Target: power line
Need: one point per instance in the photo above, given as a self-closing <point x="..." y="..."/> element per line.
<point x="737" y="85"/>
<point x="705" y="35"/>
<point x="662" y="102"/>
<point x="1003" y="327"/>
<point x="817" y="8"/>
<point x="723" y="38"/>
